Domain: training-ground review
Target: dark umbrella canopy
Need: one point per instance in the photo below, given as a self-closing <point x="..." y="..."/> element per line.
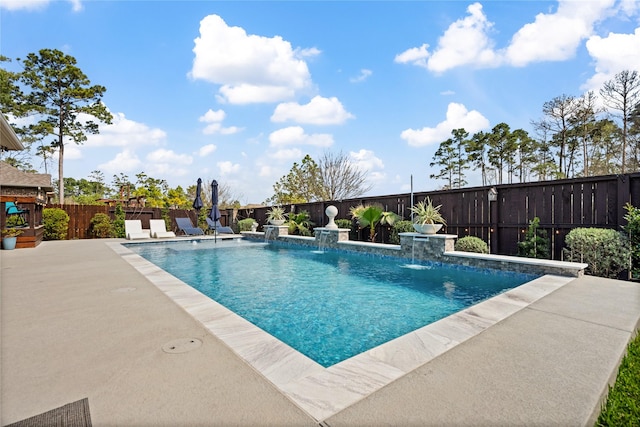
<point x="215" y="212"/>
<point x="197" y="203"/>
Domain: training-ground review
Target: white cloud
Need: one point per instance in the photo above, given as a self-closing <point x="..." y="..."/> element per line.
<point x="612" y="54"/>
<point x="34" y="4"/>
<point x="205" y="150"/>
<point x="213" y="116"/>
<point x="227" y="168"/>
<point x="447" y="93"/>
<point x="215" y="119"/>
<point x="366" y="160"/>
<point x="286" y="154"/>
<point x="364" y="75"/>
<point x="319" y="111"/>
<point x="125" y="161"/>
<point x="415" y="55"/>
<point x="250" y="68"/>
<point x="169" y="156"/>
<point x="123" y="132"/>
<point x="457" y="117"/>
<point x="295" y="135"/>
<point x="465" y="42"/>
<point x="550" y="37"/>
<point x="556" y="36"/>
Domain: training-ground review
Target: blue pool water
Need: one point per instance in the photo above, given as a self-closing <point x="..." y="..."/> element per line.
<point x="329" y="306"/>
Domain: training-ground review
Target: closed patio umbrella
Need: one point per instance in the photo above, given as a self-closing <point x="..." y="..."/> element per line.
<point x="197" y="203"/>
<point x="215" y="212"/>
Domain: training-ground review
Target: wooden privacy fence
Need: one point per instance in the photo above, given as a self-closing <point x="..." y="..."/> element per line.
<point x="80" y="217"/>
<point x="502" y="220"/>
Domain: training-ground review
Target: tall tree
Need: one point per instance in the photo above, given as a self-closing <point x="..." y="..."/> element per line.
<point x="63" y="99"/>
<point x="477" y="153"/>
<point x="340" y="177"/>
<point x="525" y="154"/>
<point x="502" y="149"/>
<point x="583" y="125"/>
<point x="445" y="157"/>
<point x="302" y="184"/>
<point x="557" y="113"/>
<point x="622" y="94"/>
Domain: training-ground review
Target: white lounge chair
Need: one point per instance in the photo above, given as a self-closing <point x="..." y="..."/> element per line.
<point x="133" y="230"/>
<point x="159" y="229"/>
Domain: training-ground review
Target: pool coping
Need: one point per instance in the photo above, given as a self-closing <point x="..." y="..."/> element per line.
<point x="323" y="392"/>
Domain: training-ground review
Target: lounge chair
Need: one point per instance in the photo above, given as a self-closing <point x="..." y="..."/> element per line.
<point x="218" y="228"/>
<point x="159" y="229"/>
<point x="133" y="230"/>
<point x="186" y="226"/>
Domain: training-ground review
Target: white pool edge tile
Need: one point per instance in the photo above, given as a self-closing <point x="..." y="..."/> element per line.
<point x="323" y="392"/>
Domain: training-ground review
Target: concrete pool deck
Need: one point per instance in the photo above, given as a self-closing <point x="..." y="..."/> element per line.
<point x="80" y="321"/>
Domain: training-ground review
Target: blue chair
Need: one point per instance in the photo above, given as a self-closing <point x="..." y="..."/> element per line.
<point x="218" y="228"/>
<point x="186" y="226"/>
<point x="10" y="208"/>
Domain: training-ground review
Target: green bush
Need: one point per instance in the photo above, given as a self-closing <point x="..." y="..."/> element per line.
<point x="101" y="226"/>
<point x="344" y="223"/>
<point x="535" y="243"/>
<point x="605" y="250"/>
<point x="400" y="227"/>
<point x="118" y="222"/>
<point x="56" y="223"/>
<point x="300" y="223"/>
<point x="472" y="244"/>
<point x="245" y="224"/>
<point x="633" y="233"/>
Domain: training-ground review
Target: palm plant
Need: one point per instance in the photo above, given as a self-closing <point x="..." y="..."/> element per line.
<point x="300" y="223"/>
<point x="371" y="216"/>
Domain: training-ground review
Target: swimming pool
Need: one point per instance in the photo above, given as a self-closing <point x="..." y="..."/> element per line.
<point x="329" y="306"/>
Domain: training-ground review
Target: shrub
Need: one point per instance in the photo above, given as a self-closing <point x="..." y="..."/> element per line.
<point x="605" y="250"/>
<point x="118" y="222"/>
<point x="101" y="225"/>
<point x="56" y="223"/>
<point x="400" y="227"/>
<point x="633" y="233"/>
<point x="245" y="224"/>
<point x="300" y="223"/>
<point x="472" y="244"/>
<point x="344" y="223"/>
<point x="535" y="243"/>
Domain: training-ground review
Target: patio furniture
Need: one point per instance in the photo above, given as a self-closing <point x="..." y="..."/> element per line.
<point x="186" y="226"/>
<point x="11" y="209"/>
<point x="218" y="228"/>
<point x="133" y="230"/>
<point x="159" y="229"/>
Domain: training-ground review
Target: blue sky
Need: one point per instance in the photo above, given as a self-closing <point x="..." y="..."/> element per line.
<point x="238" y="91"/>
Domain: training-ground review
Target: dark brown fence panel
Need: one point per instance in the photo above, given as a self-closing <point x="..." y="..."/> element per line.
<point x="561" y="205"/>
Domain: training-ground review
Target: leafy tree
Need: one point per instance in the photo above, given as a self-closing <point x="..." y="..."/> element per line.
<point x="302" y="184"/>
<point x="451" y="155"/>
<point x="177" y="198"/>
<point x="340" y="178"/>
<point x="557" y="115"/>
<point x="605" y="157"/>
<point x="62" y="97"/>
<point x="584" y="124"/>
<point x="502" y="148"/>
<point x="622" y="94"/>
<point x="525" y="157"/>
<point x="152" y="189"/>
<point x="477" y="153"/>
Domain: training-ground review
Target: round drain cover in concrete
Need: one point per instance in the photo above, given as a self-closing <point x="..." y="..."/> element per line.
<point x="123" y="290"/>
<point x="181" y="345"/>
